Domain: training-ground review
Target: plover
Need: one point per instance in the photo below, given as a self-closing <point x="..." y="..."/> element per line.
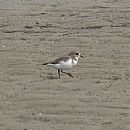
<point x="65" y="62"/>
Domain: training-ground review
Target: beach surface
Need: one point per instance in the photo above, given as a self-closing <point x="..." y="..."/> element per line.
<point x="33" y="32"/>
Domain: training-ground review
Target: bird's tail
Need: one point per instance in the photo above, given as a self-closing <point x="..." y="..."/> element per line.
<point x="45" y="63"/>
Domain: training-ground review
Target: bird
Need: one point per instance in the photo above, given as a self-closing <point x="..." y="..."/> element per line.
<point x="65" y="62"/>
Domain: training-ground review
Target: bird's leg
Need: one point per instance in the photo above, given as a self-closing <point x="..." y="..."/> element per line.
<point x="67" y="73"/>
<point x="59" y="73"/>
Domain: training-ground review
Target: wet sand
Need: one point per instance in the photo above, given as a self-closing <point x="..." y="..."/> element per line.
<point x="34" y="32"/>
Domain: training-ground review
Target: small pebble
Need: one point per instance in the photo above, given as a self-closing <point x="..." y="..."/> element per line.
<point x="40" y="114"/>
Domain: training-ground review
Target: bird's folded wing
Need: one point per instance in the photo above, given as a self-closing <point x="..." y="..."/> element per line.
<point x="58" y="60"/>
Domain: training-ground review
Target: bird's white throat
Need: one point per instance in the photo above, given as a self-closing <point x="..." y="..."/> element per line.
<point x="75" y="61"/>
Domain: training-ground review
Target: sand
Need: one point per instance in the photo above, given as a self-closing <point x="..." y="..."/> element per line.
<point x="33" y="32"/>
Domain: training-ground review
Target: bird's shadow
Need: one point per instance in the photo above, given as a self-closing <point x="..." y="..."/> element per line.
<point x="50" y="76"/>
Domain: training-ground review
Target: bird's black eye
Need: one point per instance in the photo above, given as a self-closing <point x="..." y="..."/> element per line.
<point x="77" y="53"/>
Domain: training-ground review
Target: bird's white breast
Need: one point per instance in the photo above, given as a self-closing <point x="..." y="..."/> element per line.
<point x="64" y="64"/>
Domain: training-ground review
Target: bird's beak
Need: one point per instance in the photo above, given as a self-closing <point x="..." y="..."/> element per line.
<point x="81" y="56"/>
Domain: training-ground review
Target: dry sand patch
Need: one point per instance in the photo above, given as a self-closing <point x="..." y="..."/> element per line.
<point x="97" y="98"/>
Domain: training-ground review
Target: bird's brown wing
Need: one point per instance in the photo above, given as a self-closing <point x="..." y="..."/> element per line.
<point x="60" y="59"/>
<point x="57" y="60"/>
